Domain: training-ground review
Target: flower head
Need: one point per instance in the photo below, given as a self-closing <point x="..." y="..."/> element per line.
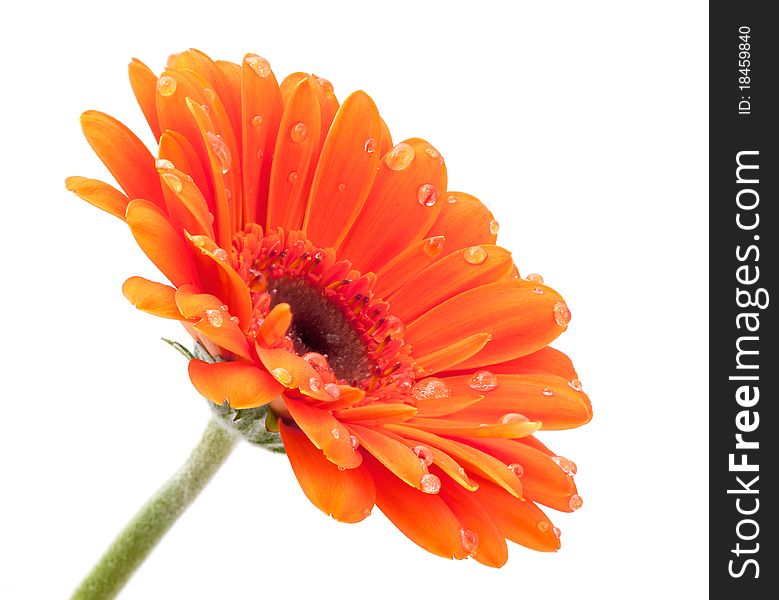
<point x="341" y="284"/>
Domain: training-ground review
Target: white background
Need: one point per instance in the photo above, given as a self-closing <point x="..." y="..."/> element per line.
<point x="583" y="125"/>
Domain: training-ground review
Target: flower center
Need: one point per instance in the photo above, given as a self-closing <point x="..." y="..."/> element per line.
<point x="334" y="312"/>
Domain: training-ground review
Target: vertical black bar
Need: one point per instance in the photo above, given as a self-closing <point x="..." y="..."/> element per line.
<point x="743" y="227"/>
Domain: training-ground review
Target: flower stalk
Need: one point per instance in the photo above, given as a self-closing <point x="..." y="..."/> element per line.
<point x="155" y="518"/>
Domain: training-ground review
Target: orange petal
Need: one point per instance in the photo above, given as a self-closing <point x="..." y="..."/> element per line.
<point x="424" y="518"/>
<point x="346" y="495"/>
<point x="396" y="212"/>
<point x="262" y="108"/>
<point x="160" y="242"/>
<point x="187" y="208"/>
<point x="294" y="157"/>
<point x="325" y="432"/>
<point x="345" y="171"/>
<point x="144" y="84"/>
<point x="275" y="325"/>
<point x="520" y="320"/>
<point x="454" y="354"/>
<point x="511" y="429"/>
<point x="241" y="385"/>
<point x="455" y="273"/>
<point x="465" y="221"/>
<point x="413" y="260"/>
<point x="177" y="149"/>
<point x="100" y="194"/>
<point x="545" y="360"/>
<point x="151" y="297"/>
<point x="544" y="398"/>
<point x="439" y="407"/>
<point x="394" y="455"/>
<point x="128" y="160"/>
<point x="443" y="461"/>
<point x="292" y="371"/>
<point x="491" y="548"/>
<point x="381" y="411"/>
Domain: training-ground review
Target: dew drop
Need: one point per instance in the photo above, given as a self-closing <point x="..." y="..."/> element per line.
<point x="483" y="381"/>
<point x="557" y="532"/>
<point x="538" y="290"/>
<point x="575" y="384"/>
<point x="562" y="315"/>
<point x="568" y="466"/>
<point x="451" y="199"/>
<point x="517" y="469"/>
<point x="317" y="361"/>
<point x="427" y="194"/>
<point x="475" y="255"/>
<point x="535" y="278"/>
<point x="333" y="390"/>
<point x="260" y="153"/>
<point x="354" y="442"/>
<point x="166" y="85"/>
<point x="214" y="317"/>
<point x="315" y="384"/>
<point x="326" y="85"/>
<point x="424" y="455"/>
<point x="431" y="152"/>
<point x="259" y="65"/>
<point x="220" y="254"/>
<point x="399" y="157"/>
<point x="292" y="177"/>
<point x="283" y="376"/>
<point x="164" y="163"/>
<point x="469" y="539"/>
<point x="494" y="227"/>
<point x="547" y="391"/>
<point x="341" y="187"/>
<point x="298" y="132"/>
<point x="220" y="149"/>
<point x="433" y="246"/>
<point x="513" y="418"/>
<point x="430" y="389"/>
<point x="543" y="526"/>
<point x="173" y="181"/>
<point x="234" y="320"/>
<point x="575" y="502"/>
<point x="257" y="120"/>
<point x="335" y="432"/>
<point x="430" y="484"/>
<point x="225" y="307"/>
<point x="395" y="327"/>
<point x="370" y="145"/>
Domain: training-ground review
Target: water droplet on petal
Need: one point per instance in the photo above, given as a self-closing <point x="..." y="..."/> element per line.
<point x="298" y="132"/>
<point x="543" y="526"/>
<point x="547" y="391"/>
<point x="424" y="455"/>
<point x="430" y="484"/>
<point x="257" y="120"/>
<point x="370" y="145"/>
<point x="427" y="194"/>
<point x="535" y="278"/>
<point x="556" y="531"/>
<point x="341" y="187"/>
<point x="517" y="469"/>
<point x="513" y="418"/>
<point x="259" y="65"/>
<point x="433" y="246"/>
<point x="562" y="315"/>
<point x="494" y="227"/>
<point x="575" y="384"/>
<point x="354" y="442"/>
<point x="575" y="502"/>
<point x="333" y="390"/>
<point x="234" y="320"/>
<point x="538" y="290"/>
<point x="431" y="152"/>
<point x="399" y="157"/>
<point x="430" y="389"/>
<point x="164" y="163"/>
<point x="335" y="432"/>
<point x="221" y="151"/>
<point x="292" y="177"/>
<point x="166" y="85"/>
<point x="568" y="466"/>
<point x="394" y="327"/>
<point x="366" y="512"/>
<point x="283" y="376"/>
<point x="469" y="539"/>
<point x="173" y="182"/>
<point x="475" y="255"/>
<point x="483" y="381"/>
<point x="220" y="254"/>
<point x="326" y="85"/>
<point x="317" y="361"/>
<point x="315" y="384"/>
<point x="451" y="199"/>
<point x="215" y="317"/>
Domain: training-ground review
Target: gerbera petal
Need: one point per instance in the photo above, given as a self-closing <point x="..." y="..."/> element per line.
<point x="465" y="221"/>
<point x="413" y="260"/>
<point x="149" y="296"/>
<point x="294" y="157"/>
<point x="545" y="360"/>
<point x="292" y="371"/>
<point x="100" y="194"/>
<point x="424" y="518"/>
<point x="325" y="432"/>
<point x="128" y="160"/>
<point x="520" y="320"/>
<point x="274" y="326"/>
<point x="144" y="84"/>
<point x="175" y="148"/>
<point x="454" y="354"/>
<point x="345" y="172"/>
<point x="239" y="384"/>
<point x="164" y="246"/>
<point x="394" y="455"/>
<point x="346" y="495"/>
<point x="381" y="411"/>
<point x="546" y="398"/>
<point x="401" y="206"/>
<point x="511" y="429"/>
<point x="187" y="208"/>
<point x="455" y="273"/>
<point x="440" y="407"/>
<point x="262" y="108"/>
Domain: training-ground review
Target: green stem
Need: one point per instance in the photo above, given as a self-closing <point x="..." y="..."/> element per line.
<point x="145" y="530"/>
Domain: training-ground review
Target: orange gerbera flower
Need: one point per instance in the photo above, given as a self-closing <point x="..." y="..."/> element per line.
<point x="330" y="275"/>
